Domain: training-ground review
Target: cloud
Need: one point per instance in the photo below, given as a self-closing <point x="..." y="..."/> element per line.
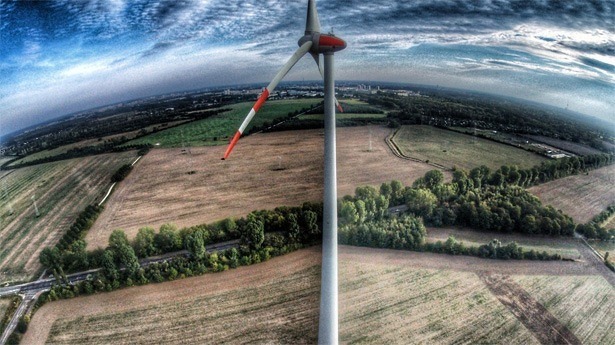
<point x="92" y="46"/>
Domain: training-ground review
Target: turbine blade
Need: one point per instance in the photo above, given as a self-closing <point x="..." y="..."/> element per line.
<point x="322" y="74"/>
<point x="312" y="24"/>
<point x="261" y="100"/>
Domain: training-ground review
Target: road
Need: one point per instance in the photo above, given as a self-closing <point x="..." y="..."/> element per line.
<point x="31" y="291"/>
<point x="26" y="301"/>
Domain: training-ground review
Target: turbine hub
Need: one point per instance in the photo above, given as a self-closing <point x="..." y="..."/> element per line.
<point x="322" y="43"/>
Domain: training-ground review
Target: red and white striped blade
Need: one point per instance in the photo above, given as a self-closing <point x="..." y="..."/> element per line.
<point x="263" y="97"/>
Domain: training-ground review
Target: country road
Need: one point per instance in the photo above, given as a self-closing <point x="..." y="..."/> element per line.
<point x="32" y="290"/>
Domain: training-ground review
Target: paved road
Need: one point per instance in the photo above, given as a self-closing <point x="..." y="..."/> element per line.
<point x="28" y="298"/>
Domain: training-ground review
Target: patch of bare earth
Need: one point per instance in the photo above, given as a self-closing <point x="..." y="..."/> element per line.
<point x="272" y="302"/>
<point x="534" y="316"/>
<point x="581" y="196"/>
<point x="265" y="171"/>
<point x="386" y="296"/>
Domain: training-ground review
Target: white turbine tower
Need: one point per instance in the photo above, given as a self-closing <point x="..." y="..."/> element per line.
<point x="316" y="43"/>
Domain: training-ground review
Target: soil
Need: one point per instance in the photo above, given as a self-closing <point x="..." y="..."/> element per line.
<point x="265" y="171"/>
<point x="580" y="196"/>
<point x="534" y="316"/>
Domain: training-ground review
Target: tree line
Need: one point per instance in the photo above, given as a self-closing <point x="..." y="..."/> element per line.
<point x="262" y="235"/>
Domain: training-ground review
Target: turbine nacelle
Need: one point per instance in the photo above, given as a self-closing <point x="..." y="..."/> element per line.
<point x="323" y="43"/>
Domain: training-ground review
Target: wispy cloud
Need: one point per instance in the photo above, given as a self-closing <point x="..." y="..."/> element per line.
<point x="65" y="55"/>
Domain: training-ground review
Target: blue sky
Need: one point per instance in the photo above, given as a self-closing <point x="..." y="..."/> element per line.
<point x="58" y="57"/>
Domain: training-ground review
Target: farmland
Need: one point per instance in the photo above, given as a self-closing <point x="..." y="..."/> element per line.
<point x="275" y="301"/>
<point x="564" y="246"/>
<point x="286" y="165"/>
<point x="61" y="190"/>
<point x="343" y="116"/>
<point x="386" y="296"/>
<point x="216" y="129"/>
<point x="451" y="149"/>
<point x="581" y="196"/>
<point x="584" y="304"/>
<point x="85" y="143"/>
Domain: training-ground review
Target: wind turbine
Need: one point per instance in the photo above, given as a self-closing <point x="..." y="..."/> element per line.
<point x="317" y="43"/>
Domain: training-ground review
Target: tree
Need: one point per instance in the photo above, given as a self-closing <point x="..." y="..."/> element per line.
<point x="310" y="219"/>
<point x="109" y="269"/>
<point x="348" y="212"/>
<point x="51" y="258"/>
<point x="118" y="239"/>
<point x="144" y="243"/>
<point x="254" y="232"/>
<point x="421" y="201"/>
<point x="293" y="226"/>
<point x="433" y="178"/>
<point x="167" y="239"/>
<point x="397" y="193"/>
<point x="195" y="244"/>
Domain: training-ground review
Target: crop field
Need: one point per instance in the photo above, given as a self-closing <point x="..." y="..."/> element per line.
<point x="274" y="301"/>
<point x="584" y="304"/>
<point x="450" y="149"/>
<point x="217" y="129"/>
<point x="344" y="116"/>
<point x="61" y="190"/>
<point x="581" y="196"/>
<point x="566" y="247"/>
<point x="265" y="171"/>
<point x="84" y="143"/>
<point x="386" y="296"/>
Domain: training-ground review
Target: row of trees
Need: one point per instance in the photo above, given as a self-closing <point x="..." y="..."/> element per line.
<point x="121" y="173"/>
<point x="261" y="235"/>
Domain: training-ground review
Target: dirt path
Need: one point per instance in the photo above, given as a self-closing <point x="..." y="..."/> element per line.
<point x="534" y="316"/>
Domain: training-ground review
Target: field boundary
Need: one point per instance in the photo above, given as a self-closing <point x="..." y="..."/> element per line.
<point x="397" y="151"/>
<point x="535" y="317"/>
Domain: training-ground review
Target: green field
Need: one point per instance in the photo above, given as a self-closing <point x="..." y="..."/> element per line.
<point x="564" y="247"/>
<point x="217" y="129"/>
<point x="583" y="304"/>
<point x="61" y="189"/>
<point x="452" y="149"/>
<point x="343" y="116"/>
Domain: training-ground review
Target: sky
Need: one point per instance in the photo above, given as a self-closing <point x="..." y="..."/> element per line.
<point x="59" y="57"/>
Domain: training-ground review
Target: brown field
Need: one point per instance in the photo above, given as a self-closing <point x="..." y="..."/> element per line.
<point x="584" y="304"/>
<point x="581" y="196"/>
<point x="566" y="247"/>
<point x="159" y="190"/>
<point x="62" y="189"/>
<point x="231" y="306"/>
<point x="386" y="296"/>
